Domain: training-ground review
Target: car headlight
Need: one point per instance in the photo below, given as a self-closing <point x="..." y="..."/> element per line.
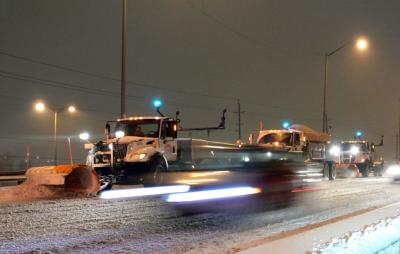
<point x="334" y="151"/>
<point x="393" y="170"/>
<point x="354" y="150"/>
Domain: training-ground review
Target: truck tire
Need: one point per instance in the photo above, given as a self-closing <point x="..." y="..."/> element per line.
<point x="331" y="171"/>
<point x="364" y="168"/>
<point x="378" y="171"/>
<point x="157" y="168"/>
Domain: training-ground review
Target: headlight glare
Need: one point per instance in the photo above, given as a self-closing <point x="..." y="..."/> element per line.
<point x="334" y="151"/>
<point x="354" y="150"/>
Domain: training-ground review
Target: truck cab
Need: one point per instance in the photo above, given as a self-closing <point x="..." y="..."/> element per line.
<point x="306" y="143"/>
<point x="134" y="145"/>
<point x="290" y="140"/>
<point x="359" y="154"/>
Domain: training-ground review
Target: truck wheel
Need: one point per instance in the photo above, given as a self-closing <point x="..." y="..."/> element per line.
<point x="364" y="168"/>
<point x="331" y="171"/>
<point x="156" y="173"/>
<point x="378" y="171"/>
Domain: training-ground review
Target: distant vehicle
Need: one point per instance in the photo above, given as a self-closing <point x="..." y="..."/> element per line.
<point x="392" y="169"/>
<point x="358" y="156"/>
<point x="306" y="143"/>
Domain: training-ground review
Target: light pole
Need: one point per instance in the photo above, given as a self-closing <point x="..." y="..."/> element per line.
<point x="361" y="44"/>
<point x="123" y="60"/>
<point x="41" y="107"/>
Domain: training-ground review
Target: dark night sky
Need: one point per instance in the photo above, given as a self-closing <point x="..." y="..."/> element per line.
<point x="199" y="56"/>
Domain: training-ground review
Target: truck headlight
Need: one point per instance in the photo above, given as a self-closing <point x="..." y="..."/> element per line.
<point x="334" y="151"/>
<point x="354" y="150"/>
<point x="119" y="134"/>
<point x="138" y="156"/>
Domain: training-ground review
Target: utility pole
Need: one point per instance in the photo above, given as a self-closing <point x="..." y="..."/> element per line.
<point x="239" y="123"/>
<point x="397" y="146"/>
<point x="398" y="134"/>
<point x="123" y="61"/>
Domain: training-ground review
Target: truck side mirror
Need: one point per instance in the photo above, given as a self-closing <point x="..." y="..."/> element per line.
<point x="170" y="129"/>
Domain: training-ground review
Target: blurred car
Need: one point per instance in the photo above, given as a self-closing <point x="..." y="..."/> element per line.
<point x="393" y="171"/>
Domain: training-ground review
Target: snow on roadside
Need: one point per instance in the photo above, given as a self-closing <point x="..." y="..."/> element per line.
<point x="382" y="238"/>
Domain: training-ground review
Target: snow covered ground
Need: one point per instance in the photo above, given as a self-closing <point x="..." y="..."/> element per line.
<point x="88" y="225"/>
<point x="366" y="232"/>
<point x="381" y="237"/>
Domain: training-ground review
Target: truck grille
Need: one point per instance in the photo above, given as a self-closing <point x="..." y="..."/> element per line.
<point x="120" y="152"/>
<point x="347" y="158"/>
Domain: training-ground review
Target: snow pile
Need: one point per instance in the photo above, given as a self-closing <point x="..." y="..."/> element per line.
<point x="382" y="237"/>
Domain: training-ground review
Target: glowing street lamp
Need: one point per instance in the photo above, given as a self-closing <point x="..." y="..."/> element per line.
<point x="41" y="107"/>
<point x="71" y="109"/>
<point x="361" y="44"/>
<point x="84" y="136"/>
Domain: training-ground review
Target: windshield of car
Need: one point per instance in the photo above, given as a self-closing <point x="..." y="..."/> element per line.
<point x="347" y="146"/>
<point x="284" y="138"/>
<point x="139" y="128"/>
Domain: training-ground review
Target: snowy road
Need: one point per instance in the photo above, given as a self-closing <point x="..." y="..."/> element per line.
<point x="149" y="226"/>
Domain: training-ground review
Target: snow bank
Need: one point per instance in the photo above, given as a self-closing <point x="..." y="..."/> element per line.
<point x="381" y="237"/>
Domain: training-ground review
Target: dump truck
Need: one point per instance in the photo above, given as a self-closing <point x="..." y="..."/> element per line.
<point x="137" y="149"/>
<point x="303" y="141"/>
<point x="358" y="157"/>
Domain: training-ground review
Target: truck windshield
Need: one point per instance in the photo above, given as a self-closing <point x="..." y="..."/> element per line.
<point x="276" y="137"/>
<point x="139" y="128"/>
<point x="347" y="146"/>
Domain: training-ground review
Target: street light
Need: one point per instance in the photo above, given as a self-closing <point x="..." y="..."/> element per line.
<point x="361" y="44"/>
<point x="41" y="107"/>
<point x="71" y="109"/>
<point x="84" y="136"/>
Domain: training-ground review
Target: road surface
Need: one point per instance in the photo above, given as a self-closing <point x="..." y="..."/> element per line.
<point x="150" y="226"/>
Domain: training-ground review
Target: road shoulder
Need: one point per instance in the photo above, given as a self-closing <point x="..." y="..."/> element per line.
<point x="304" y="239"/>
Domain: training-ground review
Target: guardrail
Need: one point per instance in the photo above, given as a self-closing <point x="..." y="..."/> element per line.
<point x="18" y="176"/>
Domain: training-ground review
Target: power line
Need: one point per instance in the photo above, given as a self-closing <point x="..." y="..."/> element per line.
<point x="63" y="85"/>
<point x="58" y="84"/>
<point x="227" y="27"/>
<point x="110" y="78"/>
<point x="139" y="84"/>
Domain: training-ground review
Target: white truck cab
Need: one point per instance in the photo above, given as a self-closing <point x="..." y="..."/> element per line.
<point x="302" y="140"/>
<point x="142" y="145"/>
<point x="359" y="155"/>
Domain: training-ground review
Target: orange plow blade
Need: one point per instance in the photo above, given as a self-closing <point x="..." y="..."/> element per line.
<point x="53" y="182"/>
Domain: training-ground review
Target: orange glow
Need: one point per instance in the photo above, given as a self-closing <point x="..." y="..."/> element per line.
<point x="362" y="44"/>
<point x="71" y="109"/>
<point x="40" y="107"/>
